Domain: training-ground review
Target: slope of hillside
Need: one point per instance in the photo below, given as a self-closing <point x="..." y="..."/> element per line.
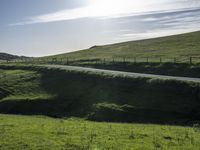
<point x="5" y="56"/>
<point x="96" y="95"/>
<point x="171" y="46"/>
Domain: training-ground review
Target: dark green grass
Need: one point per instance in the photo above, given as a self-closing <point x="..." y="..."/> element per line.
<point x="100" y="97"/>
<point x="31" y="132"/>
<point x="172" y="69"/>
<point x="183" y="45"/>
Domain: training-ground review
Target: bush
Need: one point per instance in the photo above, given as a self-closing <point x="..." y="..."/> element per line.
<point x="110" y="112"/>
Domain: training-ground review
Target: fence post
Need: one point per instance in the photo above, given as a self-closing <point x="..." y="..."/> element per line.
<point x="190" y="60"/>
<point x="175" y="60"/>
<point x="67" y="60"/>
<point x="75" y="60"/>
<point x="124" y="60"/>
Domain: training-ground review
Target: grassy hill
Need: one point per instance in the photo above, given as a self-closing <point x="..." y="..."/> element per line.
<point x="97" y="96"/>
<point x="183" y="45"/>
<point x="103" y="96"/>
<point x="5" y="56"/>
<point x="31" y="132"/>
<point x="166" y="55"/>
<point x="177" y="55"/>
<point x="75" y="96"/>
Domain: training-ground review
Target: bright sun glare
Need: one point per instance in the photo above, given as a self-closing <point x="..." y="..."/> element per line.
<point x="117" y="7"/>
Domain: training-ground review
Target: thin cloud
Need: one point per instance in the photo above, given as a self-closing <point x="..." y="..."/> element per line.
<point x="157" y="25"/>
<point x="107" y="9"/>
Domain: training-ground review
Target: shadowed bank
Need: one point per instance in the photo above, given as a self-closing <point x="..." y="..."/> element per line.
<point x="100" y="97"/>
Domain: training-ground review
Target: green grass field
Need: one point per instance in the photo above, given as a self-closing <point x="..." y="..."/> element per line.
<point x="42" y="133"/>
<point x="20" y="84"/>
<point x="97" y="96"/>
<point x="184" y="45"/>
<point x="85" y="104"/>
<point x="74" y="97"/>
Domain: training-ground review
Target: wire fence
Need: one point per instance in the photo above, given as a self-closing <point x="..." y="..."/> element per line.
<point x="74" y="61"/>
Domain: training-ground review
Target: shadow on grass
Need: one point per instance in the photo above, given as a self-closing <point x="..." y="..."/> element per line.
<point x="111" y="98"/>
<point x="60" y="109"/>
<point x="53" y="108"/>
<point x="3" y="93"/>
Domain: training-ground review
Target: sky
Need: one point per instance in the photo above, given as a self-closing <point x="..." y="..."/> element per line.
<point x="48" y="27"/>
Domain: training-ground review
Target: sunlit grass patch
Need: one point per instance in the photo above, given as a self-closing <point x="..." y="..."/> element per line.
<point x="23" y="132"/>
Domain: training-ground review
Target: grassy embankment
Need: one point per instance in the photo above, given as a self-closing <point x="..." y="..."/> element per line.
<point x="173" y="52"/>
<point x="97" y="96"/>
<point x="30" y="132"/>
<point x="172" y="69"/>
<point x="184" y="45"/>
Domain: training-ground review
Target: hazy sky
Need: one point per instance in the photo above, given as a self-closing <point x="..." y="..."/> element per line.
<point x="45" y="27"/>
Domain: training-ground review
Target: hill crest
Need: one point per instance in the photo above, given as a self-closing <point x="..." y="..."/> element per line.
<point x="6" y="56"/>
